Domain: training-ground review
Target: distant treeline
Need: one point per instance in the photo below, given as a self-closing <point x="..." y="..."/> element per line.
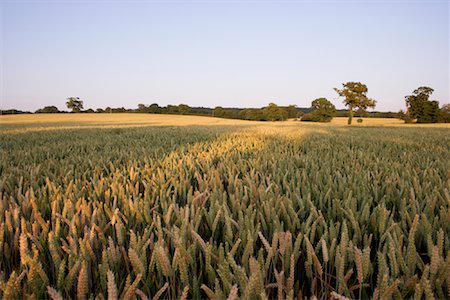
<point x="419" y="108"/>
<point x="13" y="112"/>
<point x="272" y="112"/>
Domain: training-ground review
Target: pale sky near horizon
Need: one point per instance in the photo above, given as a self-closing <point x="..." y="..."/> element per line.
<point x="220" y="53"/>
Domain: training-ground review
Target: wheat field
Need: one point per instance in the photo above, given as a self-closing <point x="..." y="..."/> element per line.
<point x="138" y="206"/>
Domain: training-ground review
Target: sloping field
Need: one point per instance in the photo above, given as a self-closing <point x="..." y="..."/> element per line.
<point x="40" y="122"/>
<point x="170" y="207"/>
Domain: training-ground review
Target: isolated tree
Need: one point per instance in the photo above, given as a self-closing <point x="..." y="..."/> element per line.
<point x="323" y="110"/>
<point x="355" y="94"/>
<point x="75" y="104"/>
<point x="420" y="107"/>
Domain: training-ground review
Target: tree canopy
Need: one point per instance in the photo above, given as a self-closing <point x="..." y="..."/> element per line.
<point x="420" y="107"/>
<point x="75" y="104"/>
<point x="219" y="112"/>
<point x="184" y="109"/>
<point x="48" y="110"/>
<point x="355" y="97"/>
<point x="292" y="111"/>
<point x="445" y="114"/>
<point x="275" y="113"/>
<point x="322" y="111"/>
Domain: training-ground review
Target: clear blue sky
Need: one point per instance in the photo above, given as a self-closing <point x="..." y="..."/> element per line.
<point x="228" y="53"/>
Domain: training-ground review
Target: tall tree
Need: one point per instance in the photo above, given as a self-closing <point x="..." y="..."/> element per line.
<point x="75" y="104"/>
<point x="355" y="94"/>
<point x="420" y="107"/>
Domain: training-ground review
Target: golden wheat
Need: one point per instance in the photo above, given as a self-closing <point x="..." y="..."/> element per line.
<point x="238" y="209"/>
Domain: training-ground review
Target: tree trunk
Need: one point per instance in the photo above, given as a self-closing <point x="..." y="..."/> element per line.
<point x="350" y="115"/>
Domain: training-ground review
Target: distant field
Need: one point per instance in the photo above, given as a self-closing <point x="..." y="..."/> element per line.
<point x="38" y="122"/>
<point x="140" y="205"/>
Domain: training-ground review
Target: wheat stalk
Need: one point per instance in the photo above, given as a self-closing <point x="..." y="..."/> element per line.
<point x="82" y="285"/>
<point x="211" y="295"/>
<point x="136" y="262"/>
<point x="184" y="295"/>
<point x="112" y="289"/>
<point x="141" y="294"/>
<point x="54" y="294"/>
<point x="233" y="293"/>
<point x="359" y="265"/>
<point x="435" y="260"/>
<point x="324" y="250"/>
<point x="162" y="260"/>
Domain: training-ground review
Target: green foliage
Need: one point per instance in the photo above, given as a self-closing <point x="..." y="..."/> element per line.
<point x="405" y="116"/>
<point x="257" y="114"/>
<point x="75" y="104"/>
<point x="292" y="111"/>
<point x="270" y="113"/>
<point x="268" y="212"/>
<point x="13" y="112"/>
<point x="361" y="113"/>
<point x="183" y="109"/>
<point x="275" y="113"/>
<point x="323" y="111"/>
<point x="421" y="108"/>
<point x="142" y="108"/>
<point x="307" y="118"/>
<point x="445" y="114"/>
<point x="154" y="108"/>
<point x="172" y="109"/>
<point x="219" y="112"/>
<point x="355" y="96"/>
<point x="47" y="110"/>
<point x="253" y="114"/>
